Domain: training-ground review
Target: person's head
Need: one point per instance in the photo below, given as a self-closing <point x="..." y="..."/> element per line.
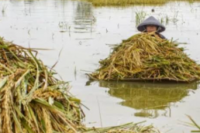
<point x="151" y="28"/>
<point x="151" y="25"/>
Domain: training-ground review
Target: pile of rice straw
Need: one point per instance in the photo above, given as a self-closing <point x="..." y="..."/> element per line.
<point x="148" y="57"/>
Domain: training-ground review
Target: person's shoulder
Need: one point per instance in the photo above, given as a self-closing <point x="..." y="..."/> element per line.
<point x="162" y="36"/>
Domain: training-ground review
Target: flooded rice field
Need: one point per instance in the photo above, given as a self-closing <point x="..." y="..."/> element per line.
<point x="75" y="36"/>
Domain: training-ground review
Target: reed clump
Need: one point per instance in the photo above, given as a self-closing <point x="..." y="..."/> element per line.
<point x="132" y="2"/>
<point x="33" y="101"/>
<point x="148" y="57"/>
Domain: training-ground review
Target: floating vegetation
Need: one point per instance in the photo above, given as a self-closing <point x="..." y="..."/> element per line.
<point x="126" y="128"/>
<point x="33" y="101"/>
<point x="147" y="57"/>
<point x="3" y="10"/>
<point x="132" y="2"/>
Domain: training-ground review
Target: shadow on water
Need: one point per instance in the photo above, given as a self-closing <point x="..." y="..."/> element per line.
<point x="149" y="98"/>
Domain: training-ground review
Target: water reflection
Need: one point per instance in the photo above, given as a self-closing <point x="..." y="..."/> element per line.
<point x="84" y="18"/>
<point x="149" y="99"/>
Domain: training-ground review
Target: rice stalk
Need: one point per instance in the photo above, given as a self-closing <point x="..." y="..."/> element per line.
<point x="195" y="125"/>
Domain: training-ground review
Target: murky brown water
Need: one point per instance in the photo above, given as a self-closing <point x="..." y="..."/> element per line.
<point x="84" y="34"/>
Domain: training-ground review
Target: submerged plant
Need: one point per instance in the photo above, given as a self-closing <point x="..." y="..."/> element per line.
<point x="3" y="9"/>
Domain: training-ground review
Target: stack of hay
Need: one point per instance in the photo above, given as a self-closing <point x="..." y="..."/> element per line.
<point x="33" y="101"/>
<point x="147" y="57"/>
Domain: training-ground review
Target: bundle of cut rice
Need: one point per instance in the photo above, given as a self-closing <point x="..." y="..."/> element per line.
<point x="147" y="57"/>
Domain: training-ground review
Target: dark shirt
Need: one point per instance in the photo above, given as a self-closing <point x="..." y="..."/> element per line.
<point x="161" y="36"/>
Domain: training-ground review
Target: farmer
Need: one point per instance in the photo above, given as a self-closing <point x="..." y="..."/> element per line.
<point x="152" y="25"/>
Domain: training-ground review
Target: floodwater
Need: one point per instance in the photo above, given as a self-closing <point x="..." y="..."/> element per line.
<point x="78" y="35"/>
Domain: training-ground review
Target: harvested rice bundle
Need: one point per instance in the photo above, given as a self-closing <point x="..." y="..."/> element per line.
<point x="32" y="100"/>
<point x="147" y="57"/>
